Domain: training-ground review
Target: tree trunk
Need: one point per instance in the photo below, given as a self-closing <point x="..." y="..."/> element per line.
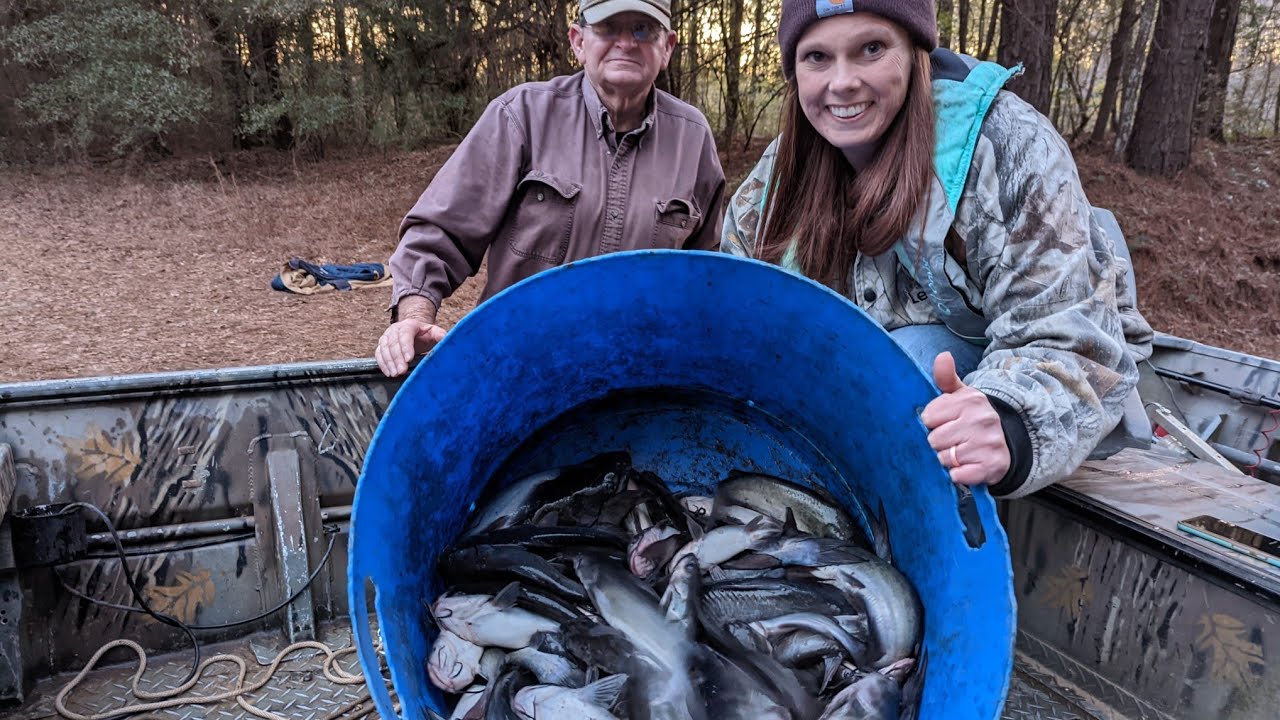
<point x="962" y="29"/>
<point x="1115" y="64"/>
<point x="1263" y="96"/>
<point x="946" y="13"/>
<point x="1135" y="59"/>
<point x="980" y="24"/>
<point x="264" y="55"/>
<point x="340" y="28"/>
<point x="1064" y="80"/>
<point x="232" y="71"/>
<point x="1085" y="98"/>
<point x="306" y="35"/>
<point x="462" y="64"/>
<point x="1257" y="23"/>
<point x="1161" y="142"/>
<point x="1212" y="104"/>
<point x="565" y="62"/>
<point x="691" y="72"/>
<point x="984" y="53"/>
<point x="1250" y="56"/>
<point x="732" y="69"/>
<point x="1275" y="118"/>
<point x="1072" y="117"/>
<point x="673" y="78"/>
<point x="757" y="33"/>
<point x="1026" y="36"/>
<point x="760" y="71"/>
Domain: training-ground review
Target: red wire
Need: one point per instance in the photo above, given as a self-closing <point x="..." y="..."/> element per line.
<point x="1266" y="441"/>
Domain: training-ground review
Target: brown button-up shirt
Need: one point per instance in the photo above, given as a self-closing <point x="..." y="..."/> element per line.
<point x="542" y="180"/>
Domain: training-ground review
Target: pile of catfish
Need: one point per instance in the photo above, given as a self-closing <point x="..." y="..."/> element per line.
<point x="592" y="591"/>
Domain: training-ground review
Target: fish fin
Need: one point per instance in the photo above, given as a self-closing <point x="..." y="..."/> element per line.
<point x="830" y="664"/>
<point x="696" y="530"/>
<point x="913" y="688"/>
<point x="858" y="626"/>
<point x="765" y="526"/>
<point x="898" y="670"/>
<point x="538" y="640"/>
<point x="837" y="556"/>
<point x="507" y="596"/>
<point x="880" y="536"/>
<point x="789" y="527"/>
<point x="753" y="561"/>
<point x="750" y="637"/>
<point x="716" y="573"/>
<point x="603" y="692"/>
<point x="431" y="613"/>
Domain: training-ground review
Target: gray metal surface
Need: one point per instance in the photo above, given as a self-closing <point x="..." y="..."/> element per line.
<point x="1029" y="700"/>
<point x="298" y="690"/>
<point x="152" y="385"/>
<point x="184" y="457"/>
<point x="1151" y="490"/>
<point x="8" y="479"/>
<point x="11" y="669"/>
<point x="1129" y="611"/>
<point x="1088" y="692"/>
<point x="288" y="510"/>
<point x="1236" y="418"/>
<point x="12" y="673"/>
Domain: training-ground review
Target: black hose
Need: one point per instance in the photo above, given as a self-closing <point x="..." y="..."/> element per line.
<point x="1237" y="393"/>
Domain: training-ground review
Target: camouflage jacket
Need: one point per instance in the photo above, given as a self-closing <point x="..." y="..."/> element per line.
<point x="1037" y="267"/>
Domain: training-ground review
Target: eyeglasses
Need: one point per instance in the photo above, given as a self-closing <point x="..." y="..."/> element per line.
<point x="641" y="32"/>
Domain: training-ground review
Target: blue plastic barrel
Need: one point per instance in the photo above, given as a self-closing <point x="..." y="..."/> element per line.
<point x="698" y="364"/>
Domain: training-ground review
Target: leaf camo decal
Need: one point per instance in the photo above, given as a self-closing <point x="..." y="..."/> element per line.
<point x="1069" y="590"/>
<point x="184" y="597"/>
<point x="1233" y="656"/>
<point x="98" y="456"/>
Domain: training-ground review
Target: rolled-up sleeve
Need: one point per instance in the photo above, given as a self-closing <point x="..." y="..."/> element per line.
<point x="444" y="237"/>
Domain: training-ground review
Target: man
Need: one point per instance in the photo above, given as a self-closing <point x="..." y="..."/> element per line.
<point x="593" y="163"/>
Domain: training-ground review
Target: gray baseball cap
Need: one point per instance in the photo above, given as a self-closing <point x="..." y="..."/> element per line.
<point x="594" y="11"/>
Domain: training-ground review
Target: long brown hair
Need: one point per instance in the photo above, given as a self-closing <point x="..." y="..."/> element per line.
<point x="833" y="212"/>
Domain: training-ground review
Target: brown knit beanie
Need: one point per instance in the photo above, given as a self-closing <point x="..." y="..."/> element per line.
<point x="917" y="17"/>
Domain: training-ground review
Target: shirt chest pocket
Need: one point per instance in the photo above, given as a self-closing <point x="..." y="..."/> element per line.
<point x="542" y="218"/>
<point x="675" y="221"/>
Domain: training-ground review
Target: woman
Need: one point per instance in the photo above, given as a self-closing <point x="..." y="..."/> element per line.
<point x="951" y="212"/>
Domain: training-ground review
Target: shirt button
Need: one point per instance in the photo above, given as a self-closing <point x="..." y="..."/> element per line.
<point x="869" y="295"/>
<point x="684" y="223"/>
<point x="540" y="196"/>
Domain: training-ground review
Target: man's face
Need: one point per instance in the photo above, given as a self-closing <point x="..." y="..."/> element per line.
<point x="623" y="54"/>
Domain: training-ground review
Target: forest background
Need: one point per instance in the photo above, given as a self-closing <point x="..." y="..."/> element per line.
<point x="170" y="156"/>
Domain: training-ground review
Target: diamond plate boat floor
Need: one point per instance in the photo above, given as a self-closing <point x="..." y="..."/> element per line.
<point x="299" y="689"/>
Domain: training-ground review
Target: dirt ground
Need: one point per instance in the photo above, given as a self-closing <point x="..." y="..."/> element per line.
<point x="121" y="269"/>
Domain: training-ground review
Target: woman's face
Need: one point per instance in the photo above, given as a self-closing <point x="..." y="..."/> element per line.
<point x="852" y="73"/>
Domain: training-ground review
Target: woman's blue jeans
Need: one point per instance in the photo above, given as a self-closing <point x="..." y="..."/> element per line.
<point x="924" y="342"/>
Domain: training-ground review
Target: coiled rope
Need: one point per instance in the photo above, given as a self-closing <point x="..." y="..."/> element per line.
<point x="169" y="698"/>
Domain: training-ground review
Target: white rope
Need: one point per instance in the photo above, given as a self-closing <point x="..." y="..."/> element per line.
<point x="168" y="698"/>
